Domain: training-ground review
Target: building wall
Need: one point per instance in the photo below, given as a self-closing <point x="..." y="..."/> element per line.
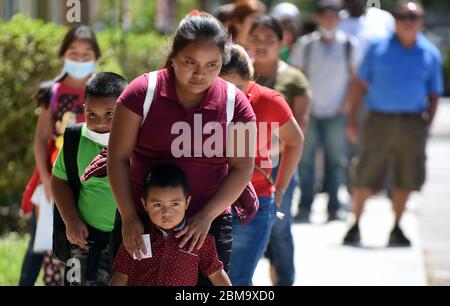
<point x="48" y="10"/>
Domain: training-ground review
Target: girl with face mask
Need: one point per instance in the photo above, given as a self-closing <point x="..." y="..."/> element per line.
<point x="79" y="51"/>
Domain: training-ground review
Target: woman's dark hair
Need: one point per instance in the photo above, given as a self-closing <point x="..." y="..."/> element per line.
<point x="163" y="176"/>
<point x="199" y="27"/>
<point x="268" y="22"/>
<point x="105" y="85"/>
<point x="83" y="33"/>
<point x="239" y="63"/>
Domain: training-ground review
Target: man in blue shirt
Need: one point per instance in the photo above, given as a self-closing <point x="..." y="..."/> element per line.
<point x="401" y="80"/>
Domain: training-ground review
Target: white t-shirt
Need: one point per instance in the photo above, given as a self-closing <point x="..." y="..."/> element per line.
<point x="327" y="69"/>
<point x="373" y="25"/>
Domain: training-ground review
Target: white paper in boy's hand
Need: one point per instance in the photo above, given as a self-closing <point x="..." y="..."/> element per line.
<point x="148" y="246"/>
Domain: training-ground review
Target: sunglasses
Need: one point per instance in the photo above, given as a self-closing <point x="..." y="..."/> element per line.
<point x="408" y="17"/>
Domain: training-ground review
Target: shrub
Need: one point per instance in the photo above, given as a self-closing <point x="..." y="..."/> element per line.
<point x="28" y="51"/>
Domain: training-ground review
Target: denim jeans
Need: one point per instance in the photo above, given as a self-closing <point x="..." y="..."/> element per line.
<point x="280" y="250"/>
<point x="328" y="133"/>
<point x="250" y="241"/>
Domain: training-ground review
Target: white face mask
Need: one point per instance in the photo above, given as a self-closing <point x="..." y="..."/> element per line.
<point x="327" y="34"/>
<point x="79" y="70"/>
<point x="97" y="137"/>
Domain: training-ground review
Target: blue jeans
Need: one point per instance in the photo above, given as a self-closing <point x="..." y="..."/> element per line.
<point x="330" y="134"/>
<point x="280" y="250"/>
<point x="250" y="241"/>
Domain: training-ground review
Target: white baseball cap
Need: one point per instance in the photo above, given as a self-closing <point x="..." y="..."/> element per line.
<point x="286" y="11"/>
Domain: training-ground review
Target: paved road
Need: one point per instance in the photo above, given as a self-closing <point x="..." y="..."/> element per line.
<point x="321" y="260"/>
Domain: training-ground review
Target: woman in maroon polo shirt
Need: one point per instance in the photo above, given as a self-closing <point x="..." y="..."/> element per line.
<point x="189" y="95"/>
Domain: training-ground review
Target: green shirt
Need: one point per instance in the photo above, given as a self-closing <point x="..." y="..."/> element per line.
<point x="96" y="204"/>
<point x="289" y="81"/>
<point x="284" y="54"/>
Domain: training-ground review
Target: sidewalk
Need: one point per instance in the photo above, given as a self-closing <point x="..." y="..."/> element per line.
<point x="434" y="202"/>
<point x="320" y="258"/>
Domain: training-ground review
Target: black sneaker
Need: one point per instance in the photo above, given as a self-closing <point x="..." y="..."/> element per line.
<point x="398" y="239"/>
<point x="302" y="217"/>
<point x="353" y="237"/>
<point x="335" y="216"/>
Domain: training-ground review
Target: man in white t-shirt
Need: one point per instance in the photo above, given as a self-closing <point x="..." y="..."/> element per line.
<point x="329" y="58"/>
<point x="365" y="23"/>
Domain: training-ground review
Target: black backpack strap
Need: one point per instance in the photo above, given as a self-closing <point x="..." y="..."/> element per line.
<point x="72" y="136"/>
<point x="61" y="246"/>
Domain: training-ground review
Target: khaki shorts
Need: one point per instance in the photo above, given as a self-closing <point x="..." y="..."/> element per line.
<point x="392" y="144"/>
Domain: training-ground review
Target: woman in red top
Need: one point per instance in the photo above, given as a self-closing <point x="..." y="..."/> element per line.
<point x="59" y="99"/>
<point x="273" y="115"/>
<point x="189" y="96"/>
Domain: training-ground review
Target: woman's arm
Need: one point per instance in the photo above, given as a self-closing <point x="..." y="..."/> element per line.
<point x="124" y="132"/>
<point x="301" y="111"/>
<point x="41" y="138"/>
<point x="292" y="138"/>
<point x="240" y="171"/>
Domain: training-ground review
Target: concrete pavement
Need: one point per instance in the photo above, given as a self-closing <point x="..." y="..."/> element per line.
<point x="321" y="259"/>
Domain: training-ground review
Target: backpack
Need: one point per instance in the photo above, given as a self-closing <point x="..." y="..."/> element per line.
<point x="72" y="135"/>
<point x="247" y="205"/>
<point x="307" y="55"/>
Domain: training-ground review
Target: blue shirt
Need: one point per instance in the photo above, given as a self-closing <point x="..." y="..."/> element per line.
<point x="400" y="79"/>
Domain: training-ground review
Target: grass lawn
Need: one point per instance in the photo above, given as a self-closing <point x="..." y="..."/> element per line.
<point x="12" y="251"/>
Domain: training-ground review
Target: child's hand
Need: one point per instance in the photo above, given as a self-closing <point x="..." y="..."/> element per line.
<point x="77" y="233"/>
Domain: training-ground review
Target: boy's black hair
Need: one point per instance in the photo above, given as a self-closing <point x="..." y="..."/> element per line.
<point x="165" y="175"/>
<point x="105" y="85"/>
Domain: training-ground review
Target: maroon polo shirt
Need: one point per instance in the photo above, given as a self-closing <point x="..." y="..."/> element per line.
<point x="155" y="139"/>
<point x="169" y="265"/>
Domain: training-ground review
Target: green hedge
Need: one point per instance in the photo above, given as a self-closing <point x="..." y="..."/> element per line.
<point x="28" y="56"/>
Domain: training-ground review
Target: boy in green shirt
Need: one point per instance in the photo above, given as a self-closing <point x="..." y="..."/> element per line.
<point x="90" y="218"/>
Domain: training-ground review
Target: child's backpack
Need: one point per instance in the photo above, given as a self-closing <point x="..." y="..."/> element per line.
<point x="61" y="246"/>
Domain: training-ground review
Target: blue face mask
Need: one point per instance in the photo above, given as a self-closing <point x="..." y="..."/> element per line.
<point x="79" y="70"/>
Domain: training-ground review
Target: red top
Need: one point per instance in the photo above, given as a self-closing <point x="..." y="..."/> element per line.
<point x="67" y="99"/>
<point x="270" y="107"/>
<point x="169" y="265"/>
<point x="155" y="139"/>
